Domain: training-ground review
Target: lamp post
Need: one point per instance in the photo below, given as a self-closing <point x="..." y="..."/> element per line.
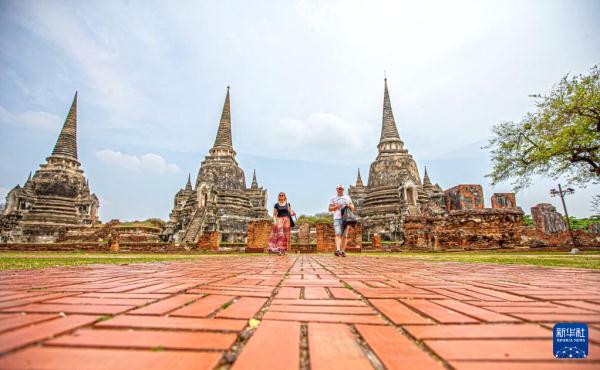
<point x="561" y="193"/>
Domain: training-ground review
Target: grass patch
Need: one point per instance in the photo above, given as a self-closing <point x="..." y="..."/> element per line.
<point x="37" y="260"/>
<point x="227" y="304"/>
<point x="586" y="260"/>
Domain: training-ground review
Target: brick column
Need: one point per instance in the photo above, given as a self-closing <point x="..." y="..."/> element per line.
<point x="258" y="236"/>
<point x="325" y="237"/>
<point x="304" y="233"/>
<point x="354" y="239"/>
<point x="376" y="241"/>
<point x="210" y="240"/>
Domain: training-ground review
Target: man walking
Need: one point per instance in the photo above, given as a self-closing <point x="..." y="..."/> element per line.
<point x="341" y="233"/>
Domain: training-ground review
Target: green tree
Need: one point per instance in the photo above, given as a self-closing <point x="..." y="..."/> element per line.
<point x="561" y="138"/>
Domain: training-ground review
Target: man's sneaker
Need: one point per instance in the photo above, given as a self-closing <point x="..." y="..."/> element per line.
<point x="342" y="253"/>
<point x="338" y="253"/>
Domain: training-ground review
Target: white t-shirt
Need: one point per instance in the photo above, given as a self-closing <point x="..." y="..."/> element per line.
<point x="344" y="200"/>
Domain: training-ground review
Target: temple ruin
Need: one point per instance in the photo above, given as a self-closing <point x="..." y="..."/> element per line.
<point x="220" y="201"/>
<point x="55" y="198"/>
<point x="394" y="190"/>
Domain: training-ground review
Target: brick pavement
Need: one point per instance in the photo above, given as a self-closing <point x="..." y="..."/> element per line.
<point x="317" y="312"/>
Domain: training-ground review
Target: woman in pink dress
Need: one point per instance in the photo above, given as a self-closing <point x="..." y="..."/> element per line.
<point x="280" y="235"/>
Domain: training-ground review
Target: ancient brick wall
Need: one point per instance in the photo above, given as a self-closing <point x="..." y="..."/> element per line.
<point x="547" y="220"/>
<point x="209" y="240"/>
<point x="533" y="237"/>
<point x="258" y="235"/>
<point x="355" y="238"/>
<point x="60" y="247"/>
<point x="504" y="200"/>
<point x="304" y="233"/>
<point x="462" y="197"/>
<point x="468" y="229"/>
<point x="325" y="237"/>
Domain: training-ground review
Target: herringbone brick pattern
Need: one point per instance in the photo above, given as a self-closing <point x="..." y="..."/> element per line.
<point x="317" y="312"/>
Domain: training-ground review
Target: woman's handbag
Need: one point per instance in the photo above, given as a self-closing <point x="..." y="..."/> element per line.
<point x="292" y="223"/>
<point x="348" y="217"/>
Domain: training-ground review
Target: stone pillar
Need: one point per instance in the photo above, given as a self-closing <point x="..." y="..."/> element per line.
<point x="210" y="240"/>
<point x="325" y="238"/>
<point x="547" y="220"/>
<point x="376" y="241"/>
<point x="258" y="236"/>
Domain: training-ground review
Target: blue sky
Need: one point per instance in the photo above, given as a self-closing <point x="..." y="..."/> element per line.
<point x="306" y="89"/>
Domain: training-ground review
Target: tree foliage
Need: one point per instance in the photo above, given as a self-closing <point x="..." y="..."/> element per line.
<point x="561" y="138"/>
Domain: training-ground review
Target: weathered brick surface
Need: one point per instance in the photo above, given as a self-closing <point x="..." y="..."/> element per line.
<point x="354" y="313"/>
<point x="210" y="240"/>
<point x="537" y="238"/>
<point x="304" y="233"/>
<point x="258" y="235"/>
<point x="547" y="220"/>
<point x="463" y="197"/>
<point x="504" y="200"/>
<point x="469" y="229"/>
<point x="376" y="241"/>
<point x="325" y="237"/>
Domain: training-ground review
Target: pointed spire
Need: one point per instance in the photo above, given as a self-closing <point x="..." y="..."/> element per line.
<point x="188" y="185"/>
<point x="28" y="182"/>
<point x="359" y="181"/>
<point x="254" y="182"/>
<point x="388" y="124"/>
<point x="426" y="180"/>
<point x="223" y="138"/>
<point x="66" y="145"/>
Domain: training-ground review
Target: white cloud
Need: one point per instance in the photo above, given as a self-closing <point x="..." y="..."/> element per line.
<point x="324" y="137"/>
<point x="148" y="163"/>
<point x="33" y="119"/>
<point x="95" y="53"/>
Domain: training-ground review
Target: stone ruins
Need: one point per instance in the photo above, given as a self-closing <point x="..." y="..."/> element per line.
<point x="397" y="210"/>
<point x="55" y="198"/>
<point x="220" y="201"/>
<point x="394" y="189"/>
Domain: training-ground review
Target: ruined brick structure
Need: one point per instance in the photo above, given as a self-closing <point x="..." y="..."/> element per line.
<point x="209" y="240"/>
<point x="465" y="229"/>
<point x="504" y="200"/>
<point x="304" y="233"/>
<point x="220" y="200"/>
<point x="259" y="232"/>
<point x="326" y="238"/>
<point x="394" y="189"/>
<point x="55" y="198"/>
<point x="547" y="219"/>
<point x="462" y="197"/>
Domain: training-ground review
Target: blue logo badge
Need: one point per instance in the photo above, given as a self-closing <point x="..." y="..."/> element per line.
<point x="570" y="340"/>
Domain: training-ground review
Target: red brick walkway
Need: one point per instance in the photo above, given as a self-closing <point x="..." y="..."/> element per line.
<point x="315" y="312"/>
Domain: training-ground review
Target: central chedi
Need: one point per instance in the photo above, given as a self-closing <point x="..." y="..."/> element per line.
<point x="394" y="190"/>
<point x="220" y="200"/>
